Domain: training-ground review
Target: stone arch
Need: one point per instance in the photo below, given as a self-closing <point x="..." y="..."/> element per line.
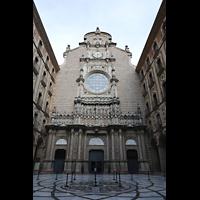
<point x="96" y="141"/>
<point x="61" y="141"/>
<point x="131" y="142"/>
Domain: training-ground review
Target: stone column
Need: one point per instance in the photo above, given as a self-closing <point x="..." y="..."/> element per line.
<point x="52" y="145"/>
<point x="49" y="145"/>
<point x="34" y="148"/>
<point x="145" y="163"/>
<point x="69" y="163"/>
<point x="139" y="146"/>
<point x="85" y="164"/>
<point x="112" y="143"/>
<point x="121" y="148"/>
<point x="48" y="165"/>
<point x="162" y="156"/>
<point x="78" y="163"/>
<point x="68" y="146"/>
<point x="85" y="146"/>
<point x="155" y="158"/>
<point x="107" y="141"/>
<point x="124" y="152"/>
<point x="71" y="145"/>
<point x="124" y="146"/>
<point x="120" y="144"/>
<point x="143" y="145"/>
<point x="113" y="150"/>
<point x="79" y="144"/>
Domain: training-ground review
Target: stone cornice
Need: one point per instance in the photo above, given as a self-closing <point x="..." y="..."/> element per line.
<point x="110" y="44"/>
<point x="43" y="35"/>
<point x="108" y="127"/>
<point x="97" y="59"/>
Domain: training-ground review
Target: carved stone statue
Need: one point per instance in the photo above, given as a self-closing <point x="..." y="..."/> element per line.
<point x="67" y="50"/>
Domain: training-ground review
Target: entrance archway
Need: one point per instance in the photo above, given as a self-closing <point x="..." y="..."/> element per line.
<point x="132" y="160"/>
<point x="59" y="160"/>
<point x="96" y="160"/>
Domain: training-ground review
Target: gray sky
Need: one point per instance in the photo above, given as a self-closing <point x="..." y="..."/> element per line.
<point x="128" y="21"/>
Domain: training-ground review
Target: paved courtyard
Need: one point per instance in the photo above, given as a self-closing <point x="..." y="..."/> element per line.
<point x="140" y="188"/>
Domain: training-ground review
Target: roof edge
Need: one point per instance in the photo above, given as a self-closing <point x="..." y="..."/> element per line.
<point x="45" y="39"/>
<point x="156" y="25"/>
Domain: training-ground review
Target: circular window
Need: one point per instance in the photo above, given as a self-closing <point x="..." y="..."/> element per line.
<point x="97" y="82"/>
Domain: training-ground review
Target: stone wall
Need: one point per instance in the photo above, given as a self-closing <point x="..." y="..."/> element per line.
<point x="128" y="87"/>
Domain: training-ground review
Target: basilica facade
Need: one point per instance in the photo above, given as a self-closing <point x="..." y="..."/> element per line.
<point x="96" y="112"/>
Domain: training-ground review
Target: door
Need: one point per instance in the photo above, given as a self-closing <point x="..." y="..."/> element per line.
<point x="132" y="160"/>
<point x="96" y="160"/>
<point x="59" y="160"/>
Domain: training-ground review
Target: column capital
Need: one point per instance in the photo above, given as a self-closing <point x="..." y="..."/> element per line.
<point x="112" y="131"/>
<point x="50" y="130"/>
<point x="72" y="130"/>
<point x="80" y="130"/>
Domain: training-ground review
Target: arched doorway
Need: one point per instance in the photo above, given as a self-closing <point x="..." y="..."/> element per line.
<point x="132" y="160"/>
<point x="96" y="160"/>
<point x="59" y="160"/>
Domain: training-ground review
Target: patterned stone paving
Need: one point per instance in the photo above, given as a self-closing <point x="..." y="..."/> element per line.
<point x="47" y="187"/>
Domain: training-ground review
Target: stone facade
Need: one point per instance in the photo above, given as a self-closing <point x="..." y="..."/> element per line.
<point x="45" y="68"/>
<point x="101" y="120"/>
<point x="152" y="70"/>
<point x="97" y="108"/>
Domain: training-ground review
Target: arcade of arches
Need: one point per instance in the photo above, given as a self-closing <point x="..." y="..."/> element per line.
<point x="82" y="150"/>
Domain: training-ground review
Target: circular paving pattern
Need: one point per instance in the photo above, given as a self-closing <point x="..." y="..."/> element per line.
<point x="101" y="187"/>
<point x="49" y="186"/>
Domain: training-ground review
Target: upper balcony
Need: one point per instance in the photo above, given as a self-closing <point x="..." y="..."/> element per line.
<point x="47" y="66"/>
<point x="155" y="53"/>
<point x="160" y="67"/>
<point x="148" y="66"/>
<point x="39" y="104"/>
<point x="144" y="92"/>
<point x="163" y="94"/>
<point x="147" y="113"/>
<point x="40" y="52"/>
<point x="155" y="105"/>
<point x="50" y="91"/>
<point x="53" y="76"/>
<point x="142" y="77"/>
<point x="160" y="70"/>
<point x="44" y="81"/>
<point x="46" y="112"/>
<point x="151" y="83"/>
<point x="36" y="124"/>
<point x="36" y="68"/>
